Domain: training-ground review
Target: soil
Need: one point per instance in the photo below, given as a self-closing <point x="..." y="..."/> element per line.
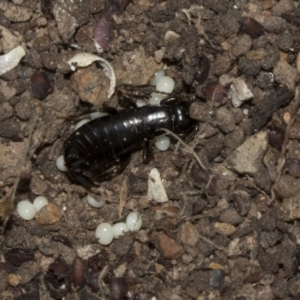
<point x="230" y="226"/>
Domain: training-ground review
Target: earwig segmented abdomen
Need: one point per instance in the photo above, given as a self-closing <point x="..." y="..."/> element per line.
<point x="98" y="146"/>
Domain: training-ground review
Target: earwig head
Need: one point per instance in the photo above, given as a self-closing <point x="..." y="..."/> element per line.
<point x="79" y="172"/>
<point x="78" y="167"/>
<point x="183" y="123"/>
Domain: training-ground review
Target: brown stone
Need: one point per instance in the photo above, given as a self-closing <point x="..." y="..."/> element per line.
<point x="168" y="247"/>
<point x="189" y="234"/>
<point x="48" y="215"/>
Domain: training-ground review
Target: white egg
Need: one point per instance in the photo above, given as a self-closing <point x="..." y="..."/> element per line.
<point x="157" y="75"/>
<point x="119" y="229"/>
<point x="97" y="114"/>
<point x="39" y="202"/>
<point x="104" y="233"/>
<point x="61" y="164"/>
<point x="26" y="210"/>
<point x="162" y="142"/>
<point x="82" y="122"/>
<point x="94" y="202"/>
<point x="156" y="98"/>
<point x="165" y="84"/>
<point x="134" y="221"/>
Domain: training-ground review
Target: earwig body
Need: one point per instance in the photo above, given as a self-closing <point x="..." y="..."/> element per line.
<point x="102" y="147"/>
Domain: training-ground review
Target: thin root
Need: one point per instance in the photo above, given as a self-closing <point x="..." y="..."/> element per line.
<point x="188" y="148"/>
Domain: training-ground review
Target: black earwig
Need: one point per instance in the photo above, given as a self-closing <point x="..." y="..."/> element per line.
<point x="102" y="147"/>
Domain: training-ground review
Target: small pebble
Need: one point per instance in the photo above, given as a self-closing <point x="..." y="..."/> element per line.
<point x="234" y="248"/>
<point x="40" y="84"/>
<point x="39" y="202"/>
<point x="275" y="24"/>
<point x="18" y="256"/>
<point x="225" y="228"/>
<point x="241" y="201"/>
<point x="231" y="216"/>
<point x="251" y="27"/>
<point x="26" y="210"/>
<point x="48" y="215"/>
<point x="61" y="164"/>
<point x="14" y="279"/>
<point x="189" y="234"/>
<point x="239" y="92"/>
<point x="94" y="202"/>
<point x="162" y="143"/>
<point x="246" y="159"/>
<point x="168" y="247"/>
<point x="118" y="287"/>
<point x="78" y="271"/>
<point x="286" y="74"/>
<point x="165" y="84"/>
<point x="134" y="221"/>
<point x="104" y="233"/>
<point x="217" y="279"/>
<point x="119" y="229"/>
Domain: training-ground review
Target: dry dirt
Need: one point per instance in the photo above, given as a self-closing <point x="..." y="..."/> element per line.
<point x="230" y="230"/>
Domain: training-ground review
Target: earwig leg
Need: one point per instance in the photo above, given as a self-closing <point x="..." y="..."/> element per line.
<point x="105" y="109"/>
<point x="169" y="101"/>
<point x="109" y="110"/>
<point x="86" y="182"/>
<point x="127" y="102"/>
<point x="124" y="160"/>
<point x="146" y="152"/>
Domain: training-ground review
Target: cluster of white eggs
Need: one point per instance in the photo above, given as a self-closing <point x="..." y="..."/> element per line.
<point x="27" y="210"/>
<point x="105" y="233"/>
<point x="164" y="85"/>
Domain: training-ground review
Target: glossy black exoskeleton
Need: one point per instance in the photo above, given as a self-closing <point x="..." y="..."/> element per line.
<point x="102" y="147"/>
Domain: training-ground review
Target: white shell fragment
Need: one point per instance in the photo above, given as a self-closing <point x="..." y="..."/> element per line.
<point x="239" y="92"/>
<point x="85" y="59"/>
<point x="11" y="59"/>
<point x="156" y="190"/>
<point x="134" y="221"/>
<point x="140" y="103"/>
<point x="61" y="164"/>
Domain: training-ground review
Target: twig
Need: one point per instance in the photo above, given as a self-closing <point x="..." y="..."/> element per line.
<point x="185" y="145"/>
